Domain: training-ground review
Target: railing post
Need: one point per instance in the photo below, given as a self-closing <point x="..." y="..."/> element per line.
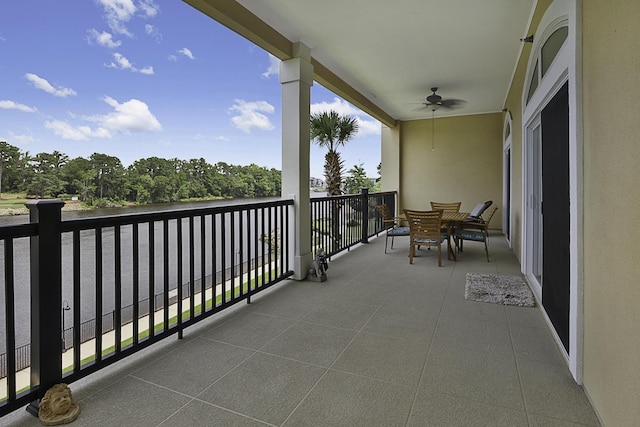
<point x="365" y="215"/>
<point x="46" y="296"/>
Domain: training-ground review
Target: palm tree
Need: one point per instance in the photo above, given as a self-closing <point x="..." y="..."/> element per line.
<point x="330" y="129"/>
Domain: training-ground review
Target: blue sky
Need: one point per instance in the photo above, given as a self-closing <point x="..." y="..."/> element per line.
<point x="142" y="78"/>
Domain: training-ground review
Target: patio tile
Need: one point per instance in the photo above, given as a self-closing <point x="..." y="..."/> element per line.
<point x="536" y="344"/>
<point x="130" y="402"/>
<point x="483" y="377"/>
<point x="410" y="326"/>
<point x="458" y="306"/>
<point x="264" y="387"/>
<point x="250" y="330"/>
<point x="433" y="409"/>
<point x="311" y="343"/>
<point x="480" y="335"/>
<point x="343" y="399"/>
<point x="541" y="421"/>
<point x="341" y="314"/>
<point x="202" y="362"/>
<point x="550" y="390"/>
<point x="293" y="301"/>
<point x="388" y="359"/>
<point x="198" y="413"/>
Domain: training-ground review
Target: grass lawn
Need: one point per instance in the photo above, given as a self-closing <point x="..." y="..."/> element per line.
<point x="12" y="201"/>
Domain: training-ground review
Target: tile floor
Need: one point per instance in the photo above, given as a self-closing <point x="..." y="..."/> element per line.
<point x="381" y="343"/>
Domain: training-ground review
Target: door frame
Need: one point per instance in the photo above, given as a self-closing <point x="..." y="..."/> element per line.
<point x="507" y="179"/>
<point x="565" y="67"/>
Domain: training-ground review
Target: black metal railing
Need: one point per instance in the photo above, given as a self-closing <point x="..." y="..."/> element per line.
<point x="144" y="277"/>
<point x="340" y="222"/>
<point x="193" y="263"/>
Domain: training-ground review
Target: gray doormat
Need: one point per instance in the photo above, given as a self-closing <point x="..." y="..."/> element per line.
<point x="491" y="288"/>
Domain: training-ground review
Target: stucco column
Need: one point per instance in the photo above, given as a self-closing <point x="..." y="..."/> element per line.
<point x="296" y="77"/>
<point x="390" y="155"/>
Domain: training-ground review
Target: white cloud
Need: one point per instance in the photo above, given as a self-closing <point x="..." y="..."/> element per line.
<point x="130" y="116"/>
<point x="118" y="13"/>
<point x="250" y="115"/>
<point x="147" y="70"/>
<point x="120" y="62"/>
<point x="77" y="133"/>
<point x="153" y="32"/>
<point x="10" y="105"/>
<point x="103" y="39"/>
<point x="172" y="58"/>
<point x="274" y="67"/>
<point x="368" y="127"/>
<point x="42" y="84"/>
<point x="186" y="52"/>
<point x="149" y="8"/>
<point x="23" y="139"/>
<point x="366" y="124"/>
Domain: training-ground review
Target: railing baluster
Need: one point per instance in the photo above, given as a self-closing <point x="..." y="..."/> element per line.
<point x="151" y="239"/>
<point x="203" y="264"/>
<point x="136" y="282"/>
<point x="98" y="329"/>
<point x="77" y="309"/>
<point x="117" y="320"/>
<point x="10" y="316"/>
<point x="179" y="244"/>
<point x="165" y="270"/>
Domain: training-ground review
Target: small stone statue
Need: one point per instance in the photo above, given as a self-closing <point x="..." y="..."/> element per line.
<point x="319" y="267"/>
<point x="57" y="406"/>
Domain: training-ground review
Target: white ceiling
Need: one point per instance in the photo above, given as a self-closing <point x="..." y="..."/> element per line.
<point x="393" y="51"/>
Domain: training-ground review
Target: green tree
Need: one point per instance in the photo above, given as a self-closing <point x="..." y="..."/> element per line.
<point x="45" y="178"/>
<point x="109" y="177"/>
<point x="9" y="159"/>
<point x="357" y="180"/>
<point x="331" y="130"/>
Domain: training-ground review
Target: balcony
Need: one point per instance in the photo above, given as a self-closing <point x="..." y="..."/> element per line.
<point x="381" y="343"/>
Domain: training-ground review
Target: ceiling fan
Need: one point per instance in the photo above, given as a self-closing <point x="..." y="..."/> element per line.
<point x="435" y="101"/>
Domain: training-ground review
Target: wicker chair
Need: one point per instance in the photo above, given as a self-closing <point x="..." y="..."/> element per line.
<point x="477" y="231"/>
<point x="392" y="225"/>
<point x="425" y="230"/>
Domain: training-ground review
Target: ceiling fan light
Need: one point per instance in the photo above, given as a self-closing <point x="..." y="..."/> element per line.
<point x="433" y="107"/>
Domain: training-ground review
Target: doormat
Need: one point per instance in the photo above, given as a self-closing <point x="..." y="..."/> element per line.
<point x="491" y="288"/>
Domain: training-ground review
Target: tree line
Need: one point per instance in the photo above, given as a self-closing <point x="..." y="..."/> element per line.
<point x="101" y="179"/>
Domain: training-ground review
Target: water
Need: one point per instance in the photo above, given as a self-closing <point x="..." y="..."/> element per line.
<point x="87" y="260"/>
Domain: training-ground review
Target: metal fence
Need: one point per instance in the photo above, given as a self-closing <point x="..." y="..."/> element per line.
<point x="192" y="263"/>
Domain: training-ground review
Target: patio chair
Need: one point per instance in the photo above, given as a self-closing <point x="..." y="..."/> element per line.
<point x="449" y="206"/>
<point x="476" y="230"/>
<point x="392" y="225"/>
<point x="425" y="230"/>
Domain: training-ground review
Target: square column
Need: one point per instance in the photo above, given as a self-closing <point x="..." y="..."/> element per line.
<point x="296" y="77"/>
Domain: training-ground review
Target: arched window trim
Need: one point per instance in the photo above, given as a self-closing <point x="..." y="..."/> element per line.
<point x="558" y="18"/>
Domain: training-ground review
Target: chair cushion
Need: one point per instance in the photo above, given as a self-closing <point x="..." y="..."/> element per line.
<point x="427" y="241"/>
<point x="398" y="231"/>
<point x="476" y="235"/>
<point x="479" y="209"/>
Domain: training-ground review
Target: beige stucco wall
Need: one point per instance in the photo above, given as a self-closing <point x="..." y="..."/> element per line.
<point x="390" y="151"/>
<point x="611" y="67"/>
<point x="466" y="165"/>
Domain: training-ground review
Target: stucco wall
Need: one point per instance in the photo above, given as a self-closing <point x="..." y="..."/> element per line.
<point x="466" y="165"/>
<point x="611" y="66"/>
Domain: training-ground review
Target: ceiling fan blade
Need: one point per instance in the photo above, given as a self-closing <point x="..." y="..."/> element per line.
<point x="423" y="107"/>
<point x="453" y="103"/>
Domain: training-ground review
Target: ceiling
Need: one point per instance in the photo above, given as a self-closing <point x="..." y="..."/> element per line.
<point x="393" y="52"/>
